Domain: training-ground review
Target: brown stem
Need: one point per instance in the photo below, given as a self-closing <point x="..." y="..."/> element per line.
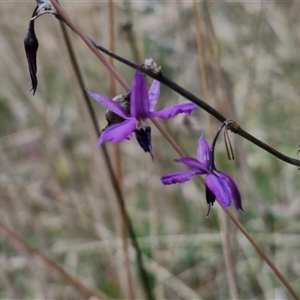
<point x="202" y="60"/>
<point x="22" y="244"/>
<point x="262" y="254"/>
<point x="117" y="158"/>
<point x="224" y="226"/>
<point x="86" y="40"/>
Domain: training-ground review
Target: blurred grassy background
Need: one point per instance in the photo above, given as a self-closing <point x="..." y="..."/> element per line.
<point x="54" y="188"/>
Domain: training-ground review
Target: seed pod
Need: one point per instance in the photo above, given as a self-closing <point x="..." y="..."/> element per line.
<point x="150" y="64"/>
<point x="31" y="45"/>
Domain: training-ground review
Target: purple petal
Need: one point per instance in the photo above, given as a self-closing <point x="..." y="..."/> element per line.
<point x="219" y="187"/>
<point x="174" y="110"/>
<point x="31" y="45"/>
<point x="110" y="104"/>
<point x="153" y="94"/>
<point x="119" y="132"/>
<point x="194" y="164"/>
<point x="177" y="177"/>
<point x="203" y="150"/>
<point x="236" y="196"/>
<point x="139" y="101"/>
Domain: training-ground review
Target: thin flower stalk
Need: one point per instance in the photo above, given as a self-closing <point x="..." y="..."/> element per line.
<point x="130" y="295"/>
<point x="228" y="249"/>
<point x="21" y="244"/>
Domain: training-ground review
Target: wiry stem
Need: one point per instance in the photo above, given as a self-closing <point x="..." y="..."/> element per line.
<point x="224" y="227"/>
<point x="118" y="167"/>
<point x="168" y="138"/>
<point x="262" y="254"/>
<point x="202" y="60"/>
<point x="88" y="42"/>
<point x="22" y="244"/>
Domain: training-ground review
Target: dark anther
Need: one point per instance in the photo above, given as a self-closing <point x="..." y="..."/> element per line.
<point x="210" y="197"/>
<point x="127" y="96"/>
<point x="143" y="136"/>
<point x="31" y="46"/>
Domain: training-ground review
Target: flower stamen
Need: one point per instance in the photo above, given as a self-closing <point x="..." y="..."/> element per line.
<point x="208" y="211"/>
<point x="228" y="145"/>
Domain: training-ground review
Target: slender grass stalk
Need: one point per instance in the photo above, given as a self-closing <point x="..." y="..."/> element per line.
<point x="235" y="127"/>
<point x="129" y="33"/>
<point x="262" y="254"/>
<point x="228" y="252"/>
<point x="117" y="159"/>
<point x="224" y="228"/>
<point x="22" y="244"/>
<point x="87" y="41"/>
<point x="202" y="61"/>
<point x="168" y="138"/>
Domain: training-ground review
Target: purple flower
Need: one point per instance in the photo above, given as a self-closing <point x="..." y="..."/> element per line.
<point x="142" y="105"/>
<point x="218" y="184"/>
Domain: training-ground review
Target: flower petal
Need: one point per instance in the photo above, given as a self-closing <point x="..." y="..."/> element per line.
<point x="177" y="177"/>
<point x="203" y="150"/>
<point x="194" y="164"/>
<point x="173" y="110"/>
<point x="235" y="193"/>
<point x="219" y="187"/>
<point x="153" y="94"/>
<point x="119" y="132"/>
<point x="110" y="104"/>
<point x="139" y="101"/>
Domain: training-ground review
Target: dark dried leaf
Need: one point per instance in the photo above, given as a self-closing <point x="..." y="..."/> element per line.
<point x="31" y="46"/>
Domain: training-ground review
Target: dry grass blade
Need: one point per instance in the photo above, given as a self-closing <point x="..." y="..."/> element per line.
<point x="21" y="244"/>
<point x="117" y="159"/>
